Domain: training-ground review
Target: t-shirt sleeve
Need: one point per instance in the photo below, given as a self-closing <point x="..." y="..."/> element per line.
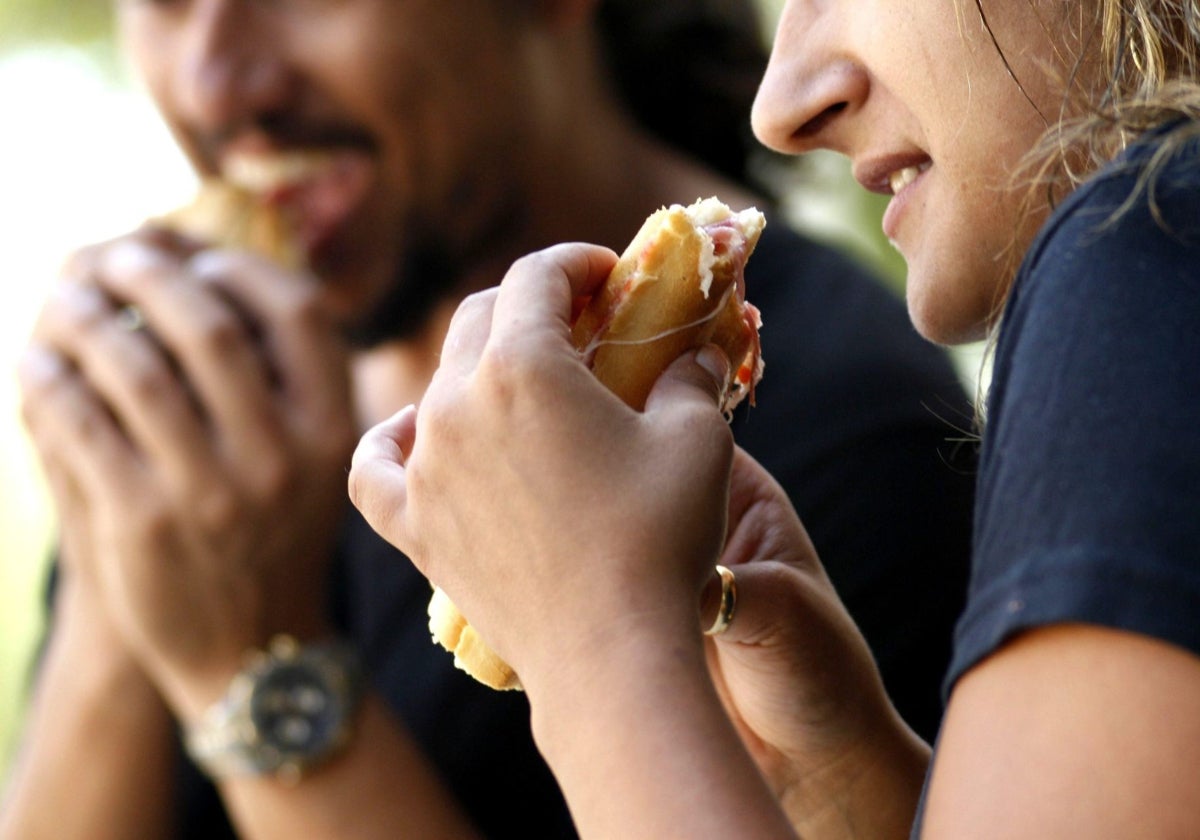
<point x="1089" y="498"/>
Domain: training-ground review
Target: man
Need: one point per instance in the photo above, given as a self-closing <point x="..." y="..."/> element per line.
<point x="195" y="409"/>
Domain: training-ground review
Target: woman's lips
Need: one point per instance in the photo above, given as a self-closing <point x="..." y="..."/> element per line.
<point x="897" y="175"/>
<point x="902" y="183"/>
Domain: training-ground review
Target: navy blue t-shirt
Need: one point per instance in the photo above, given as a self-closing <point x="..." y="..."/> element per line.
<point x="1088" y="505"/>
<point x="1088" y="502"/>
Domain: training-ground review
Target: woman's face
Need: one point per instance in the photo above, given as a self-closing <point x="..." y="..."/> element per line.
<point x="936" y="109"/>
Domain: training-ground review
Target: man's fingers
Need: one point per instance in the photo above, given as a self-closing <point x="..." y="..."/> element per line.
<point x="296" y="330"/>
<point x="67" y="419"/>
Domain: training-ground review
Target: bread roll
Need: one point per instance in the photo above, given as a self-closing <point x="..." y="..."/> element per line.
<point x="680" y="284"/>
<point x="232" y="217"/>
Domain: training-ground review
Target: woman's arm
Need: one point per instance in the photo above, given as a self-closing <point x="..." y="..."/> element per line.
<point x="638" y="740"/>
<point x="1071" y="731"/>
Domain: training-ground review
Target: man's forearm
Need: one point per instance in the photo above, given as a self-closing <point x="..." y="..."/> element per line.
<point x="380" y="786"/>
<point x="97" y="751"/>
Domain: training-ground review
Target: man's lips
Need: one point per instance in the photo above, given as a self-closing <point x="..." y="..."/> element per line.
<point x="319" y="191"/>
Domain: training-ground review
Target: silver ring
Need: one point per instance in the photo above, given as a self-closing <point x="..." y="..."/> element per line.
<point x="131" y="319"/>
<point x="728" y="602"/>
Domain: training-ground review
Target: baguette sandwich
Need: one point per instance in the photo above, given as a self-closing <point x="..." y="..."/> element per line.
<point x="678" y="286"/>
<point x="230" y="216"/>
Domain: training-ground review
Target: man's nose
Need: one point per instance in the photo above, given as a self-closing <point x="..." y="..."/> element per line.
<point x="231" y="63"/>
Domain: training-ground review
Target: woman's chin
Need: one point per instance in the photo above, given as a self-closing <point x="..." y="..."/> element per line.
<point x="945" y="319"/>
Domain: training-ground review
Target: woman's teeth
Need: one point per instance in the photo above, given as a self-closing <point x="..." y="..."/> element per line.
<point x="901" y="179"/>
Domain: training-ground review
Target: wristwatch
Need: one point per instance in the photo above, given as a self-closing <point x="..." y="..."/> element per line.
<point x="289" y="709"/>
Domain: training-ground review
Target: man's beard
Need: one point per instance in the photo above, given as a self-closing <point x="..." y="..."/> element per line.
<point x="423" y="277"/>
<point x="429" y="271"/>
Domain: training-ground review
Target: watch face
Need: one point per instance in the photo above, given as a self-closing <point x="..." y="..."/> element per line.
<point x="295" y="710"/>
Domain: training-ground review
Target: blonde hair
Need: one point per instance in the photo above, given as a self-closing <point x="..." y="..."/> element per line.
<point x="1146" y="60"/>
<point x="1138" y="69"/>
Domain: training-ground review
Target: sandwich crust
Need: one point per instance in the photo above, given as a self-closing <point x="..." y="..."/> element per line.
<point x="678" y="285"/>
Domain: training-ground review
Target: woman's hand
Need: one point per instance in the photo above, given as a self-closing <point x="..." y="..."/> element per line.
<point x="798" y="680"/>
<point x="579" y="535"/>
<point x="576" y="535"/>
<point x="551" y="513"/>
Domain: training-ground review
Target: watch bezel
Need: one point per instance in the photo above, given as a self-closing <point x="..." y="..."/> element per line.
<point x="330" y="726"/>
<point x="236" y="737"/>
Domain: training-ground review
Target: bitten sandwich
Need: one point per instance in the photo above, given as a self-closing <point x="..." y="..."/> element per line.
<point x="679" y="285"/>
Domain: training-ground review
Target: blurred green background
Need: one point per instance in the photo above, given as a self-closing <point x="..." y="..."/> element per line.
<point x="24" y="516"/>
<point x="74" y="132"/>
<point x="72" y="129"/>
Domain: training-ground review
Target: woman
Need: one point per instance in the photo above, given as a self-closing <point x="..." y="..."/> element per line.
<point x="1044" y="162"/>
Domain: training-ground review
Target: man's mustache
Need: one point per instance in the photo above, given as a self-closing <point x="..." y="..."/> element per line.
<point x="284" y="131"/>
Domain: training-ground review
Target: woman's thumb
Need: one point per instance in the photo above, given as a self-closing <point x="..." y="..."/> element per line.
<point x="700" y="373"/>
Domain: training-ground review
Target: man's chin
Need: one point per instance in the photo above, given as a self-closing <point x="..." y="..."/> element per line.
<point x="428" y="269"/>
<point x="409" y="300"/>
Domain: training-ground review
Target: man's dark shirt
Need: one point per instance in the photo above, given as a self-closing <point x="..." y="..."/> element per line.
<point x="856" y="416"/>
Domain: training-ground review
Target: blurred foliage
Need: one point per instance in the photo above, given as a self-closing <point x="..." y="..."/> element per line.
<point x="73" y="27"/>
<point x="72" y="22"/>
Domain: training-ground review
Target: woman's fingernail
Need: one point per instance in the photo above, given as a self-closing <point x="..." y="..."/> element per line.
<point x="712" y="359"/>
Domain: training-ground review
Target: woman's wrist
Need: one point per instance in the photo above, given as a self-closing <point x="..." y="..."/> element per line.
<point x="640" y="743"/>
<point x="585" y="676"/>
<point x="869" y="791"/>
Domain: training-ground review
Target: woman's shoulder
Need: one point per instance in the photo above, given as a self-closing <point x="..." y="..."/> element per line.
<point x="1088" y="491"/>
<point x="1151" y="188"/>
<point x="1129" y="235"/>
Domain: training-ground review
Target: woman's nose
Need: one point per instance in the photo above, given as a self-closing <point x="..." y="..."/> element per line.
<point x="230" y="66"/>
<point x="812" y="86"/>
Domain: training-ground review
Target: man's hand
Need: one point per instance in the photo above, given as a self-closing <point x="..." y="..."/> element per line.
<point x="193" y="412"/>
